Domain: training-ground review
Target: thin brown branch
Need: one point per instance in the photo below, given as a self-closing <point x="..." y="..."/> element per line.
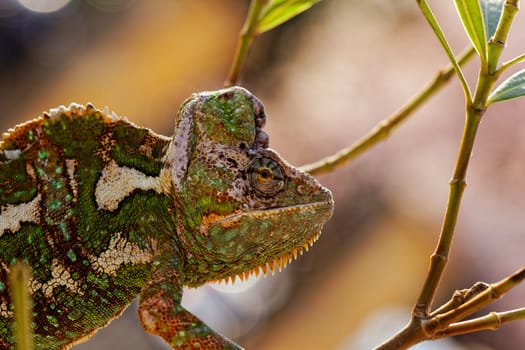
<point x="404" y="339"/>
<point x="383" y="129"/>
<point x="495" y="291"/>
<point x="474" y="111"/>
<point x="491" y="321"/>
<point x="445" y="320"/>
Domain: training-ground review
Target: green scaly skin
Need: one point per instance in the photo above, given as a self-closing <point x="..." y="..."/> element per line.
<point x="104" y="211"/>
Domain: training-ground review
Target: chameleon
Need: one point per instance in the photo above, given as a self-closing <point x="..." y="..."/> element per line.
<point x="105" y="211"/>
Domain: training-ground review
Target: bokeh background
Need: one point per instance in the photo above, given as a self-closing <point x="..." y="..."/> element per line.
<point x="326" y="78"/>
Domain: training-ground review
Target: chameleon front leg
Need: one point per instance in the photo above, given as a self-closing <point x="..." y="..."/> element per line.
<point x="161" y="313"/>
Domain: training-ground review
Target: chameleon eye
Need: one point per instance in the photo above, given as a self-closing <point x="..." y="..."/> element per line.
<point x="266" y="176"/>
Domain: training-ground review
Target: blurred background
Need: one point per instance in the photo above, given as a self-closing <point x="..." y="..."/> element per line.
<point x="326" y="78"/>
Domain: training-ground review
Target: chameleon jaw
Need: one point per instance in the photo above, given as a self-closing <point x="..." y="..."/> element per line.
<point x="278" y="263"/>
<point x="282" y="261"/>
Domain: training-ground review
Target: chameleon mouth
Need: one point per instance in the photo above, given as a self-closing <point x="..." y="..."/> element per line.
<point x="230" y="220"/>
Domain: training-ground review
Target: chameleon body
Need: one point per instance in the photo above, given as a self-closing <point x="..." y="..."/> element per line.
<point x="104" y="211"/>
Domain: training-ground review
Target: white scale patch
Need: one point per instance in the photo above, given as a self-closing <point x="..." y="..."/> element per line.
<point x="5" y="312"/>
<point x="12" y="215"/>
<point x="60" y="277"/>
<point x="116" y="183"/>
<point x="57" y="112"/>
<point x="12" y="154"/>
<point x="120" y="252"/>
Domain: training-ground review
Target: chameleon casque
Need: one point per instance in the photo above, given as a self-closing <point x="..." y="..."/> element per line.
<point x="104" y="211"/>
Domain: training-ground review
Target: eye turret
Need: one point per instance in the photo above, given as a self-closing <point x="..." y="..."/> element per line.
<point x="266" y="176"/>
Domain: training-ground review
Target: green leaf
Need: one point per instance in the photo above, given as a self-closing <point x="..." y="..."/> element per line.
<point x="470" y="14"/>
<point x="280" y="11"/>
<point x="513" y="87"/>
<point x="491" y="14"/>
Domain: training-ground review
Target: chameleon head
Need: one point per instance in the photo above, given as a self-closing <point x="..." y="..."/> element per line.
<point x="240" y="207"/>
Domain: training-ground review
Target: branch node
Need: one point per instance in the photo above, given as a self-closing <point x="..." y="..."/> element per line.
<point x="477" y="288"/>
